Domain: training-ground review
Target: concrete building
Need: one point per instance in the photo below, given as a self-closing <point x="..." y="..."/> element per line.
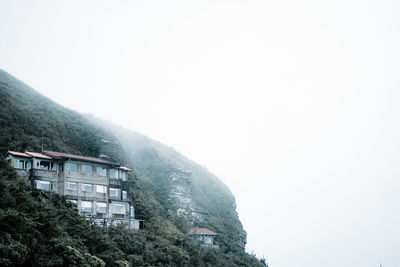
<point x="204" y="235"/>
<point x="98" y="187"/>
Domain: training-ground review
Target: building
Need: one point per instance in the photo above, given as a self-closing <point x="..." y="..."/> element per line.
<point x="204" y="235"/>
<point x="98" y="187"/>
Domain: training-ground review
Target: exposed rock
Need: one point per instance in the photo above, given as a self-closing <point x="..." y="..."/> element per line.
<point x="181" y="196"/>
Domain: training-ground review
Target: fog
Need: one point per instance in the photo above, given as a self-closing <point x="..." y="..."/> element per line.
<point x="294" y="105"/>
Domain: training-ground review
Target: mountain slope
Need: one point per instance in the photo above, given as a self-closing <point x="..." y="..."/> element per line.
<point x="183" y="186"/>
<point x="29" y="119"/>
<point x="161" y="184"/>
<point x="42" y="229"/>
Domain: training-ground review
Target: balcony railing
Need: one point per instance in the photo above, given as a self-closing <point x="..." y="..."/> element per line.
<point x="71" y="192"/>
<point x="83" y="175"/>
<point x="44" y="173"/>
<point x="100" y="215"/>
<point x="120" y="216"/>
<point x="114" y="181"/>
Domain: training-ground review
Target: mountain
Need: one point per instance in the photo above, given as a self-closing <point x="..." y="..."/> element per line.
<point x="169" y="191"/>
<point x="181" y="185"/>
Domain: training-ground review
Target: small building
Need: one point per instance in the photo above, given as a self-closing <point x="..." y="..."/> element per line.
<point x="98" y="187"/>
<point x="204" y="235"/>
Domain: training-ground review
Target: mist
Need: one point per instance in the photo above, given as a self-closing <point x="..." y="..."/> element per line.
<point x="293" y="105"/>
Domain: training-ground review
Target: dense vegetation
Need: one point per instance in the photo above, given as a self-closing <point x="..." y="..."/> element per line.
<point x="155" y="161"/>
<point x="29" y="119"/>
<point x="42" y="229"/>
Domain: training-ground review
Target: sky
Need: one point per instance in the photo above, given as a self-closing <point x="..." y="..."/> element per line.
<point x="293" y="104"/>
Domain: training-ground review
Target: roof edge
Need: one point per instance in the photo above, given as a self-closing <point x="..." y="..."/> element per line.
<point x="16" y="153"/>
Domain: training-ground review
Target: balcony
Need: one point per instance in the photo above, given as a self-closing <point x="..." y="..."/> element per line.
<point x="86" y="213"/>
<point x="112" y="197"/>
<point x="23" y="173"/>
<point x="86" y="176"/>
<point x="99" y="215"/>
<point x="71" y="192"/>
<point x="114" y="181"/>
<point x="120" y="216"/>
<point x="101" y="195"/>
<point x="44" y="174"/>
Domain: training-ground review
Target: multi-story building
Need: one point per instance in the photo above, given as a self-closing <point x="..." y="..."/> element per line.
<point x="98" y="187"/>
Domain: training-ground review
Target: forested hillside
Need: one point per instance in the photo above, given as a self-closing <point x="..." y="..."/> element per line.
<point x="43" y="230"/>
<point x="183" y="186"/>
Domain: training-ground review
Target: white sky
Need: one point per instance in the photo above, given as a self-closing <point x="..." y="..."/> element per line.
<point x="293" y="104"/>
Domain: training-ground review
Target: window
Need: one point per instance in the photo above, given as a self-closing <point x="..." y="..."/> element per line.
<point x="124" y="195"/>
<point x="22" y="164"/>
<point x="207" y="240"/>
<point x="123" y="175"/>
<point x="72" y="167"/>
<point x="53" y="166"/>
<point x="86" y="206"/>
<point x="43" y="185"/>
<point x="44" y="165"/>
<point x="116" y="222"/>
<point x="114" y="174"/>
<point x="72" y="201"/>
<point x="101" y="207"/>
<point x="87" y="187"/>
<point x="114" y="192"/>
<point x="72" y="186"/>
<point x="87" y="169"/>
<point x="132" y="212"/>
<point x="99" y="222"/>
<point x="118" y="208"/>
<point x="101" y="171"/>
<point x="101" y="189"/>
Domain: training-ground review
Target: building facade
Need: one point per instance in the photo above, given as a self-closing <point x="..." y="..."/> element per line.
<point x="204" y="235"/>
<point x="98" y="187"/>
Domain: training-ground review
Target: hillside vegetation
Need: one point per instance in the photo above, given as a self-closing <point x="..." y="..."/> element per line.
<point x="211" y="200"/>
<point x="42" y="229"/>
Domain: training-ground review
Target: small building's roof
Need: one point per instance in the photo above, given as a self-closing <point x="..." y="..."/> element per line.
<point x="60" y="155"/>
<point x="37" y="155"/>
<point x="19" y="154"/>
<point x="200" y="231"/>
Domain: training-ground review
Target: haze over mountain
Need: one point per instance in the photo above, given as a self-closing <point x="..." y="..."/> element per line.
<point x="292" y="104"/>
<point x="168" y="190"/>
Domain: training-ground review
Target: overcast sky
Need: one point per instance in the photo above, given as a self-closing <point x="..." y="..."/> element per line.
<point x="293" y="104"/>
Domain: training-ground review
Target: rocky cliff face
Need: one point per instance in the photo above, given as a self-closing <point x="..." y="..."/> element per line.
<point x="184" y="187"/>
<point x="163" y="182"/>
<point x="181" y="196"/>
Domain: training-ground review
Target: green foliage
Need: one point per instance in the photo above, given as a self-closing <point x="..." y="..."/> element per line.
<point x="26" y="117"/>
<point x="155" y="162"/>
<point x="42" y="229"/>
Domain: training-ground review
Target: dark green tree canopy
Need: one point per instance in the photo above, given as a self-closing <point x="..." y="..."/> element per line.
<point x="42" y="229"/>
